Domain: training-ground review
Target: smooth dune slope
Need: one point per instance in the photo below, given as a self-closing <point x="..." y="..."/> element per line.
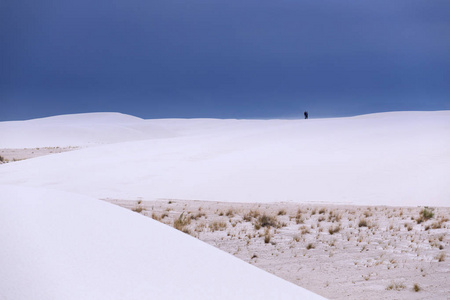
<point x="57" y="245"/>
<point x="77" y="130"/>
<point x="397" y="158"/>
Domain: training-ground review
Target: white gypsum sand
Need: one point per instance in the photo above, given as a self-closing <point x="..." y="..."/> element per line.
<point x="381" y="159"/>
<point x="396" y="159"/>
<point x="58" y="245"/>
<point x="337" y="251"/>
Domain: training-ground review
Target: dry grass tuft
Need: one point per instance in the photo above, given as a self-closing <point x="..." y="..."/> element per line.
<point x="138" y="209"/>
<point x="362" y="223"/>
<point x="425" y="215"/>
<point x="334" y="229"/>
<point x="266" y="221"/>
<point x="217" y="226"/>
<point x="441" y="257"/>
<point x="181" y="223"/>
<point x="267" y="236"/>
<point x="252" y="214"/>
<point x="395" y="286"/>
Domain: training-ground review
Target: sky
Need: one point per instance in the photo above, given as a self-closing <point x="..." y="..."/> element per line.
<point x="223" y="58"/>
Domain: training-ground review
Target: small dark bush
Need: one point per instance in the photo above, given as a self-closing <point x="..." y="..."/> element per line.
<point x="362" y="223"/>
<point x="333" y="230"/>
<point x="267" y="221"/>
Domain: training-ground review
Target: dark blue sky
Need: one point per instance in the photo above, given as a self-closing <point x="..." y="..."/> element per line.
<point x="223" y="58"/>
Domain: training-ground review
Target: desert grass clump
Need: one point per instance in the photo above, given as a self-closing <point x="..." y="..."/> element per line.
<point x="281" y="212"/>
<point x="229" y="213"/>
<point x="298" y="217"/>
<point x="395" y="286"/>
<point x="334" y="217"/>
<point x="266" y="221"/>
<point x="310" y="246"/>
<point x="267" y="236"/>
<point x="217" y="226"/>
<point x="367" y="213"/>
<point x="156" y="217"/>
<point x="362" y="223"/>
<point x="441" y="257"/>
<point x="198" y="216"/>
<point x="252" y="214"/>
<point x="332" y="230"/>
<point x="138" y="209"/>
<point x="436" y="225"/>
<point x="425" y="215"/>
<point x="181" y="223"/>
<point x="416" y="287"/>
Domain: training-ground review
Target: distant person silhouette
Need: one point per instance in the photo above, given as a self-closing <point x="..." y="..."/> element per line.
<point x="306" y="114"/>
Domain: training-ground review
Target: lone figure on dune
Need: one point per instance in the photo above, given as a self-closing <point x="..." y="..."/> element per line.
<point x="306" y="114"/>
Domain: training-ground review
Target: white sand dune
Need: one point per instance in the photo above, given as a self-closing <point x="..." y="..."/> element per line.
<point x="59" y="242"/>
<point x="397" y="158"/>
<point x="57" y="245"/>
<point x="77" y="130"/>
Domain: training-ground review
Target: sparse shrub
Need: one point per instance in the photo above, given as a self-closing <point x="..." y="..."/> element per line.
<point x="198" y="216"/>
<point x="266" y="221"/>
<point x="334" y="217"/>
<point x="425" y="215"/>
<point x="362" y="223"/>
<point x="267" y="236"/>
<point x="298" y="217"/>
<point x="304" y="230"/>
<point x="334" y="229"/>
<point x="251" y="215"/>
<point x="416" y="287"/>
<point x="310" y="246"/>
<point x="436" y="225"/>
<point x="155" y="217"/>
<point x="441" y="257"/>
<point x="215" y="226"/>
<point x="322" y="211"/>
<point x="181" y="222"/>
<point x="230" y="213"/>
<point x="2" y="159"/>
<point x="281" y="212"/>
<point x="138" y="209"/>
<point x="395" y="286"/>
